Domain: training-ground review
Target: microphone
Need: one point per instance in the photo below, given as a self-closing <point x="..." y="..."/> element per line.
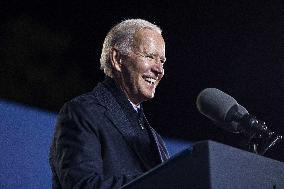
<point x="226" y="113"/>
<point x="221" y="108"/>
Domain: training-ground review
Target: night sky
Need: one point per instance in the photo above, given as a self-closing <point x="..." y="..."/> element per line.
<point x="50" y="53"/>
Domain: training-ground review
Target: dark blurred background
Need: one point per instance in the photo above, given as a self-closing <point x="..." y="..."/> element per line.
<point x="49" y="53"/>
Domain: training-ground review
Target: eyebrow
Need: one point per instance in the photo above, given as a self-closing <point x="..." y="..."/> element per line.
<point x="155" y="54"/>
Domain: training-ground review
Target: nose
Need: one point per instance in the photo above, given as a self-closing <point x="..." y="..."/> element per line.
<point x="158" y="69"/>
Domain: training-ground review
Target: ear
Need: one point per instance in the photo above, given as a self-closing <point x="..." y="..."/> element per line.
<point x="115" y="57"/>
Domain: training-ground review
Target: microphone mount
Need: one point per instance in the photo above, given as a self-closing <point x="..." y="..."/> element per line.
<point x="260" y="137"/>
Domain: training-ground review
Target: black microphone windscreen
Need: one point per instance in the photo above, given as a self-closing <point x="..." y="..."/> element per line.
<point x="233" y="126"/>
<point x="215" y="104"/>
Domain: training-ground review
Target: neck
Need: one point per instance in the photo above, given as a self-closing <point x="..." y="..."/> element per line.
<point x="119" y="83"/>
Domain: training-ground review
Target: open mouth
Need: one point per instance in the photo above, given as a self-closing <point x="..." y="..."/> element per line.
<point x="150" y="80"/>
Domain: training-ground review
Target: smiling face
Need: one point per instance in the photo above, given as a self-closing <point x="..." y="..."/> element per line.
<point x="139" y="72"/>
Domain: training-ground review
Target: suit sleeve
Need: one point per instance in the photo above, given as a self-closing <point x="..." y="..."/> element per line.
<point x="78" y="157"/>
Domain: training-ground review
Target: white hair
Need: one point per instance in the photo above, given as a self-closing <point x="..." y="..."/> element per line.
<point x="121" y="37"/>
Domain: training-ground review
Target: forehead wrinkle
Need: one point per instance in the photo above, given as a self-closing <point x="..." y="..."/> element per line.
<point x="150" y="44"/>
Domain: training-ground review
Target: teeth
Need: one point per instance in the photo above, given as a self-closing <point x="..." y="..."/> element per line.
<point x="150" y="80"/>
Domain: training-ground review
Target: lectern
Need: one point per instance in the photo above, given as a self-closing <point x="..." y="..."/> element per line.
<point x="212" y="165"/>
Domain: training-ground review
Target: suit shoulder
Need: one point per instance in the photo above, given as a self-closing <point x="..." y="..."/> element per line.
<point x="88" y="97"/>
<point x="87" y="102"/>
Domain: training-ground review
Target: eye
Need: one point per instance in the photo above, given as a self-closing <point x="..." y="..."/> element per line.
<point x="149" y="56"/>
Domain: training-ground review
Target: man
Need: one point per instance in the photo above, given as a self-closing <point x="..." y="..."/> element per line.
<point x="102" y="138"/>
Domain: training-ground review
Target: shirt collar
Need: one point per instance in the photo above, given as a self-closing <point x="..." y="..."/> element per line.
<point x="136" y="107"/>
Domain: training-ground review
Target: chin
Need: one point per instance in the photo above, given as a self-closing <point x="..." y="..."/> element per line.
<point x="147" y="94"/>
<point x="150" y="96"/>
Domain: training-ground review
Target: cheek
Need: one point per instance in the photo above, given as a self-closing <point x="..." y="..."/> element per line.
<point x="129" y="69"/>
<point x="143" y="67"/>
<point x="162" y="75"/>
<point x="138" y="66"/>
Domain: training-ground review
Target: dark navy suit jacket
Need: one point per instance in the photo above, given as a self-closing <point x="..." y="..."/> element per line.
<point x="95" y="143"/>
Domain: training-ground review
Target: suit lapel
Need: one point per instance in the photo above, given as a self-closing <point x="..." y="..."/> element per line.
<point x="117" y="116"/>
<point x="159" y="143"/>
